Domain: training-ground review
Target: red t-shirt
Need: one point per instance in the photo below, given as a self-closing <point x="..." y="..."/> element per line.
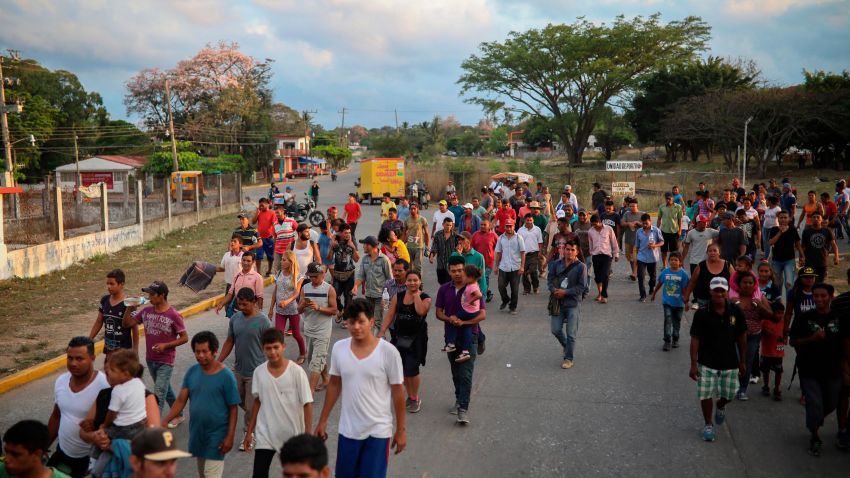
<point x="503" y="214"/>
<point x="485" y="244"/>
<point x="352" y="210"/>
<point x="772" y="344"/>
<point x="265" y="223"/>
<point x="830" y="210"/>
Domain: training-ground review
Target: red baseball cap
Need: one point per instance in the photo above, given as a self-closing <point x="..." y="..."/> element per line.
<point x="509" y="222"/>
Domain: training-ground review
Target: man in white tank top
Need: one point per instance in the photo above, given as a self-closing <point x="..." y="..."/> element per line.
<point x="317" y="306"/>
<point x="306" y="250"/>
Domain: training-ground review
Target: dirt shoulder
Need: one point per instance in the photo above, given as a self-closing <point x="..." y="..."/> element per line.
<point x="38" y="316"/>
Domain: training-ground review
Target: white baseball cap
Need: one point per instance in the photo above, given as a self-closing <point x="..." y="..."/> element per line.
<point x="718" y="283"/>
<point x="468" y="206"/>
<point x="560" y="214"/>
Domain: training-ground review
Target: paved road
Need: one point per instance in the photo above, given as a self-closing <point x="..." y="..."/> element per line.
<point x="626" y="408"/>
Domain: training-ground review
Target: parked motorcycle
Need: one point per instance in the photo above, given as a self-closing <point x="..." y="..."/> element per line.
<point x="305" y="211"/>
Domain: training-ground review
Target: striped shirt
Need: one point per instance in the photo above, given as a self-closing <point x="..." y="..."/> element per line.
<point x="284" y="235"/>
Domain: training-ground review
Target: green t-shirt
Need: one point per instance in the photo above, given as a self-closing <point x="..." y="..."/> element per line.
<point x="671" y="218"/>
<point x="4" y="474"/>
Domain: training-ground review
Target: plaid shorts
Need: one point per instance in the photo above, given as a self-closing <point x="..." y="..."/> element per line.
<point x="724" y="382"/>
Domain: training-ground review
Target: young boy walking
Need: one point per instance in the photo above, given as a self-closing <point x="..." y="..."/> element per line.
<point x="283" y="403"/>
<point x="366" y="371"/>
<point x="110" y="317"/>
<point x="211" y="387"/>
<point x="773" y="350"/>
<point x="672" y="280"/>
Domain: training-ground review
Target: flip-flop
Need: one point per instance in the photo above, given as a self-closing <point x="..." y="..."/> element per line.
<point x="320" y="387"/>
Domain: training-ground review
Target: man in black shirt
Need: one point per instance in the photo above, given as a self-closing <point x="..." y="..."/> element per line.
<point x="784" y="240"/>
<point x="732" y="240"/>
<point x="841" y="307"/>
<point x="822" y="340"/>
<point x="817" y="242"/>
<point x="611" y="218"/>
<point x="718" y="334"/>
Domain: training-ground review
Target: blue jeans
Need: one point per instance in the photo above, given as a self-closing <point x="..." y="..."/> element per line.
<point x="487" y="272"/>
<point x="785" y="272"/>
<point x="161" y="375"/>
<point x="362" y="458"/>
<point x="462" y="374"/>
<point x="569" y="316"/>
<point x="765" y="244"/>
<point x="752" y="350"/>
<point x="672" y="322"/>
<point x="461" y="335"/>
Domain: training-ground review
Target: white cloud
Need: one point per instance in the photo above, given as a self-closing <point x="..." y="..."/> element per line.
<point x="769" y="7"/>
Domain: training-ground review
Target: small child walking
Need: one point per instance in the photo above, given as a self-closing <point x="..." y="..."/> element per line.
<point x="470" y="308"/>
<point x="673" y="280"/>
<point x="773" y="350"/>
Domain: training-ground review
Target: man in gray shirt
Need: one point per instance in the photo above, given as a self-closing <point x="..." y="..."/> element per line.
<point x="317" y="304"/>
<point x="510" y="259"/>
<point x="244" y="331"/>
<point x="631" y="223"/>
<point x="373" y="273"/>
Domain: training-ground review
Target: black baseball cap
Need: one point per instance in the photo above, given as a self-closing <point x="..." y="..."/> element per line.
<point x="242" y="215"/>
<point x="371" y="240"/>
<point x="156" y="287"/>
<point x="157" y="444"/>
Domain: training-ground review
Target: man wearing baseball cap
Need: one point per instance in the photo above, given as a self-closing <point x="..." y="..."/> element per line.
<point x="697" y="241"/>
<point x="718" y="339"/>
<point x="468" y="221"/>
<point x="441" y="214"/>
<point x="155" y="454"/>
<point x="164" y="332"/>
<point x="510" y="259"/>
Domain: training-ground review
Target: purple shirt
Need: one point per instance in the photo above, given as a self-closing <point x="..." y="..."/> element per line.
<point x="160" y="328"/>
<point x="449" y="299"/>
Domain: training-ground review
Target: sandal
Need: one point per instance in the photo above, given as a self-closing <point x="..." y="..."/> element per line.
<point x="300" y="360"/>
<point x="321" y="386"/>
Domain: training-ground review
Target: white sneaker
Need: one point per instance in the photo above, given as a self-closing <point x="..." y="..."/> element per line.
<point x="754" y="380"/>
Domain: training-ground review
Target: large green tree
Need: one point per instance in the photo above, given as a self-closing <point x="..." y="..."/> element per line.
<point x="569" y="72"/>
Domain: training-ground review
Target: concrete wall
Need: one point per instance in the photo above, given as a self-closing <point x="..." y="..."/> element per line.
<point x="159" y="227"/>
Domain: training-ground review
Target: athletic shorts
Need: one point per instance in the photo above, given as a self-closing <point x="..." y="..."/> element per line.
<point x="772" y="364"/>
<point x="671" y="242"/>
<point x="267" y="250"/>
<point x="722" y="382"/>
<point x="368" y="457"/>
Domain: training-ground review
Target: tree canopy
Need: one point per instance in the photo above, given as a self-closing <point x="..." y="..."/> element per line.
<point x="568" y="73"/>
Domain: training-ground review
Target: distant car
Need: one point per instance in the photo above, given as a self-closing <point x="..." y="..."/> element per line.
<point x="299" y="173"/>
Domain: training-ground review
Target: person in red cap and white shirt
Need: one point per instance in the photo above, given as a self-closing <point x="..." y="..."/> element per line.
<point x="510" y="258"/>
<point x="697" y="241"/>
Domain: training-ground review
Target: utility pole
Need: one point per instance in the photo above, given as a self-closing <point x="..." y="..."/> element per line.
<point x="744" y="172"/>
<point x="396" y="120"/>
<point x="342" y="127"/>
<point x="174" y="164"/>
<point x="7" y="146"/>
<point x="79" y="180"/>
<point x="305" y="115"/>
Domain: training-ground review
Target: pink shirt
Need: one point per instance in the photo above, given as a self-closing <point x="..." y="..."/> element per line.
<point x="252" y="279"/>
<point x="466" y="301"/>
<point x="603" y="242"/>
<point x="160" y="328"/>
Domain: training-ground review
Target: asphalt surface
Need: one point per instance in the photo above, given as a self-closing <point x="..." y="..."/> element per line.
<point x="625" y="409"/>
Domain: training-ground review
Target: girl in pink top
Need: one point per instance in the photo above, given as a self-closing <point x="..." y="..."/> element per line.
<point x="470" y="307"/>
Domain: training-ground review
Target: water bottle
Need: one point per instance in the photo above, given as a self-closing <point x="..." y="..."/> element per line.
<point x="131" y="301"/>
<point x="385" y="300"/>
<point x="565" y="283"/>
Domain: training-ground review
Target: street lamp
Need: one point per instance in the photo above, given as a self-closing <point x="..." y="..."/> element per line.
<point x="746" y="123"/>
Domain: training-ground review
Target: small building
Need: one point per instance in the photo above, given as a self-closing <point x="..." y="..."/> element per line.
<point x="110" y="169"/>
<point x="289" y="148"/>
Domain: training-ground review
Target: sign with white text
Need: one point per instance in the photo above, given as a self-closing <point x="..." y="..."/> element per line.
<point x="623" y="165"/>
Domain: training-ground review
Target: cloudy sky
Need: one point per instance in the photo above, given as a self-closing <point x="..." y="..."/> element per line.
<point x="374" y="56"/>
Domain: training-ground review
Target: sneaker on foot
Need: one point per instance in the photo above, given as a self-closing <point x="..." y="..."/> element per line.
<point x="481" y="345"/>
<point x="502" y="307"/>
<point x="413" y="406"/>
<point x="708" y="433"/>
<point x="462" y="416"/>
<point x="675" y="343"/>
<point x="513" y="312"/>
<point x="842" y="441"/>
<point x="742" y="396"/>
<point x="454" y="409"/>
<point x="815" y="446"/>
<point x="463" y="357"/>
<point x="567" y="364"/>
<point x="754" y="379"/>
<point x="694" y="306"/>
<point x="643" y="299"/>
<point x="765" y="391"/>
<point x="666" y="347"/>
<point x="176" y="422"/>
<point x="777" y="395"/>
<point x="719" y="415"/>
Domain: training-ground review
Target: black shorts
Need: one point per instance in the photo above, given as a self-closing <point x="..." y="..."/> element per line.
<point x="769" y="364"/>
<point x="671" y="242"/>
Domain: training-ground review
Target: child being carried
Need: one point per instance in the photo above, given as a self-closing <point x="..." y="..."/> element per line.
<point x="460" y="336"/>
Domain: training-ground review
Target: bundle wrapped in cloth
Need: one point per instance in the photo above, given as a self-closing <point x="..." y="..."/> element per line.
<point x="198" y="276"/>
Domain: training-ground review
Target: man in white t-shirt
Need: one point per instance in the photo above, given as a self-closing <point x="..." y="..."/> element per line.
<point x="74" y="392"/>
<point x="283" y="402"/>
<point x="441" y="213"/>
<point x="510" y="259"/>
<point x="367" y="372"/>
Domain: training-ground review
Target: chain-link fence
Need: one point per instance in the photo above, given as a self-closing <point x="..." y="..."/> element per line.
<point x="29" y="218"/>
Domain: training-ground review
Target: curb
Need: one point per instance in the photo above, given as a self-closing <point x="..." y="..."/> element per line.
<point x="43" y="369"/>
